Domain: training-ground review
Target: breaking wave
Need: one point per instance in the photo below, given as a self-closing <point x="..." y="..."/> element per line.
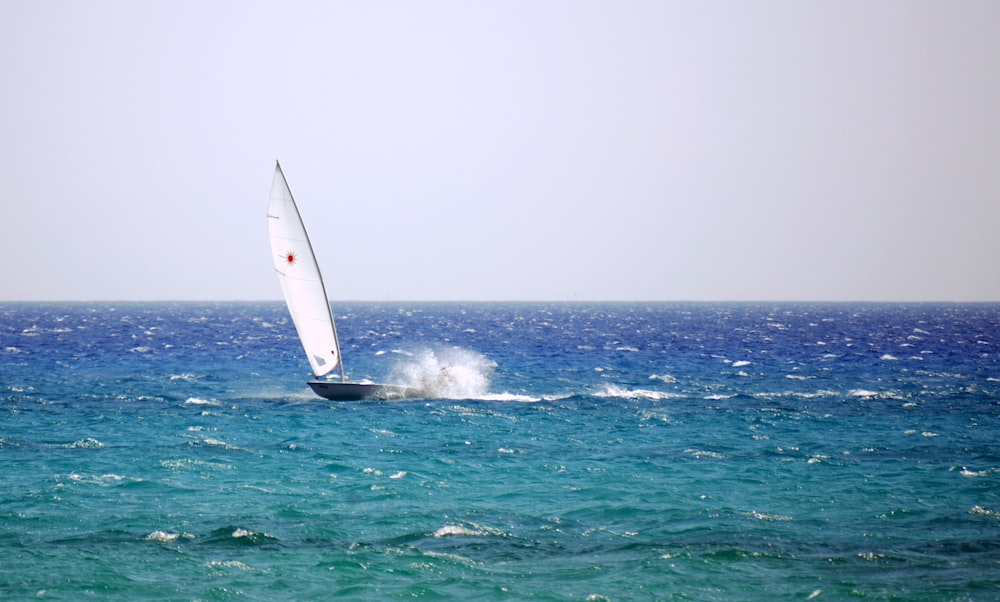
<point x="621" y="392"/>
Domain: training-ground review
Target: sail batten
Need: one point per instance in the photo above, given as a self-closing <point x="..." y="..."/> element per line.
<point x="301" y="281"/>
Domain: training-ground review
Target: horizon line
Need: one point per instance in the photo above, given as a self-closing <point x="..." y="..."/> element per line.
<point x="553" y="300"/>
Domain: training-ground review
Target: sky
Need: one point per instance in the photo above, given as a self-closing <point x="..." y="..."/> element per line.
<point x="518" y="150"/>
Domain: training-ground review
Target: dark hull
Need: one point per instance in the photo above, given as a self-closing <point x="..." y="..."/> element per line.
<point x="359" y="391"/>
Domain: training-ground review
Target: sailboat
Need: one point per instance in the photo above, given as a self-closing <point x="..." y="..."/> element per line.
<point x="308" y="304"/>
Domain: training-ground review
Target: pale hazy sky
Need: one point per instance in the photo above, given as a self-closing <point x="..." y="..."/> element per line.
<point x="703" y="150"/>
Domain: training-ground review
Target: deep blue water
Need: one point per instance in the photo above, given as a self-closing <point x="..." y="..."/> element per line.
<point x="580" y="452"/>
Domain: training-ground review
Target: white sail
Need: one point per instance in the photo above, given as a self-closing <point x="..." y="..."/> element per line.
<point x="300" y="279"/>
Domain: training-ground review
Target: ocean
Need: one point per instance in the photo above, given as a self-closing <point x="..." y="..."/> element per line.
<point x="577" y="451"/>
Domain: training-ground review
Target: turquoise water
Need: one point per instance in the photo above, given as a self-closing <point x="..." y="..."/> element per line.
<point x="580" y="452"/>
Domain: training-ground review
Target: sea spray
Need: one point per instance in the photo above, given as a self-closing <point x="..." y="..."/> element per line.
<point x="447" y="373"/>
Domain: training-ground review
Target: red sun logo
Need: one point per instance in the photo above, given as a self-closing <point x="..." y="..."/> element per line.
<point x="290" y="258"/>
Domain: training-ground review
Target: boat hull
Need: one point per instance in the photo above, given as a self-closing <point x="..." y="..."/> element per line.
<point x="360" y="391"/>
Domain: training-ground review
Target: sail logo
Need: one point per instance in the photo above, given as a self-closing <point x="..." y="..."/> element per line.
<point x="290" y="258"/>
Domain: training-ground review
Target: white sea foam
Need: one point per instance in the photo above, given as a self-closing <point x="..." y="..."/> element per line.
<point x="973" y="473"/>
<point x="88" y="443"/>
<point x="984" y="512"/>
<point x="448" y="530"/>
<point x="620" y="392"/>
<point x="889" y="358"/>
<point x="667" y="378"/>
<point x="162" y="536"/>
<point x="741" y="363"/>
<point x="194" y="401"/>
<point x="472" y="530"/>
<point x="104" y="479"/>
<point x="447" y="373"/>
<point x="212" y="442"/>
<point x="167" y="536"/>
<point x="699" y="453"/>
